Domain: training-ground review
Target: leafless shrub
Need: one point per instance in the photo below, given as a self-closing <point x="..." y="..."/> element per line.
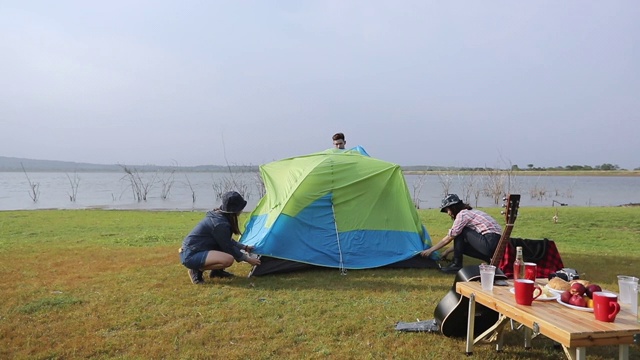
<point x="494" y="185"/>
<point x="193" y="193"/>
<point x="417" y="188"/>
<point x="140" y="187"/>
<point x="538" y="192"/>
<point x="74" y="183"/>
<point x="166" y="181"/>
<point x="231" y="182"/>
<point x="569" y="193"/>
<point x="445" y="180"/>
<point x="259" y="184"/>
<point x="34" y="187"/>
<point x="470" y="187"/>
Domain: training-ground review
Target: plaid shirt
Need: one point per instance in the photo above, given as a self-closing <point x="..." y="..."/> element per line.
<point x="477" y="220"/>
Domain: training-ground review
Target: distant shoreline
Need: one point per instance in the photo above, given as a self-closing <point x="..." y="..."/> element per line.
<point x="147" y="168"/>
<point x="10" y="164"/>
<point x="534" y="172"/>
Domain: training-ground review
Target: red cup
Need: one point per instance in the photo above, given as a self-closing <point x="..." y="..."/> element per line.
<point x="530" y="271"/>
<point x="525" y="290"/>
<point x="605" y="306"/>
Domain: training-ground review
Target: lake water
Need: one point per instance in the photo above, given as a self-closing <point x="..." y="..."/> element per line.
<point x="112" y="190"/>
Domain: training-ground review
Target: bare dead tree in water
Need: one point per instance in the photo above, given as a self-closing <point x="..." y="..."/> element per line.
<point x="417" y="188"/>
<point x="74" y="183"/>
<point x="500" y="182"/>
<point x="166" y="182"/>
<point x="140" y="187"/>
<point x="231" y="182"/>
<point x="445" y="180"/>
<point x="193" y="193"/>
<point x="259" y="182"/>
<point x="34" y="187"/>
<point x="494" y="184"/>
<point x="470" y="187"/>
<point x="538" y="192"/>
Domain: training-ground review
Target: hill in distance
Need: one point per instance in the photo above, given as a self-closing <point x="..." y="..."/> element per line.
<point x="13" y="164"/>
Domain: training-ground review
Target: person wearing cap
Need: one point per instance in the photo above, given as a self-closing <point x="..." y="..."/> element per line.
<point x="210" y="246"/>
<point x="474" y="233"/>
<point x="338" y="141"/>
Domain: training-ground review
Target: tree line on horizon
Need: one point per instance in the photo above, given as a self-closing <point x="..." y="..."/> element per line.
<point x="9" y="164"/>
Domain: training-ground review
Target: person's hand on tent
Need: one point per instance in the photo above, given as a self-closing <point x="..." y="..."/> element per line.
<point x="446" y="253"/>
<point x="253" y="261"/>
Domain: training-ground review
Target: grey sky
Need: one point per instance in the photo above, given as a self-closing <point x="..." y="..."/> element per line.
<point x="460" y="83"/>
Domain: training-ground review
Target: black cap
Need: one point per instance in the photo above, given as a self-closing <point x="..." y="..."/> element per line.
<point x="449" y="200"/>
<point x="232" y="202"/>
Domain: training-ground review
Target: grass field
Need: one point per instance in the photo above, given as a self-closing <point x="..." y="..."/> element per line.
<point x="108" y="284"/>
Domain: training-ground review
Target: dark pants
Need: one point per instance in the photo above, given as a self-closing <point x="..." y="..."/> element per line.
<point x="475" y="245"/>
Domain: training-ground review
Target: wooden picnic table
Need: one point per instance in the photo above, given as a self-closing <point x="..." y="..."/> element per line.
<point x="575" y="330"/>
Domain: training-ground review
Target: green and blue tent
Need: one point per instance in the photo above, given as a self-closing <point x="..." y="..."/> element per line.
<point x="338" y="209"/>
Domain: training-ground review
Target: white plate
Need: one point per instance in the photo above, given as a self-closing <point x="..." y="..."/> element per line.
<point x="542" y="297"/>
<point x="575" y="307"/>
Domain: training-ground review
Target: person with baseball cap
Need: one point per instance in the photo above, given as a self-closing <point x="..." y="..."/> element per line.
<point x="474" y="233"/>
<point x="210" y="246"/>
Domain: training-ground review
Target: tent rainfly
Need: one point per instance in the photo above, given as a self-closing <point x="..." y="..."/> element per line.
<point x="338" y="209"/>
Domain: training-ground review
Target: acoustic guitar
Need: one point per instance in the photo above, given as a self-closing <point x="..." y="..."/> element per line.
<point x="452" y="311"/>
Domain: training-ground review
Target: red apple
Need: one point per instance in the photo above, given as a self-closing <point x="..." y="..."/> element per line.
<point x="591" y="289"/>
<point x="577" y="289"/>
<point x="566" y="296"/>
<point x="578" y="300"/>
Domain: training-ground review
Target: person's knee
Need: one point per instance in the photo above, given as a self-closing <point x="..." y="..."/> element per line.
<point x="228" y="261"/>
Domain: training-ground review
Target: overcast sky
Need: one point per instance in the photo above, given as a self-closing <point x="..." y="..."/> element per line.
<point x="457" y="83"/>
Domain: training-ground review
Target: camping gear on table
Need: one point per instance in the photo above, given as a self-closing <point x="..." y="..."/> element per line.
<point x="338" y="209"/>
<point x="542" y="252"/>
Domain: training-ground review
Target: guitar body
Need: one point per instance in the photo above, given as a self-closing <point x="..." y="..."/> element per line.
<point x="452" y="311"/>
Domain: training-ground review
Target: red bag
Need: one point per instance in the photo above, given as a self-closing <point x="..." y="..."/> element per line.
<point x="542" y="252"/>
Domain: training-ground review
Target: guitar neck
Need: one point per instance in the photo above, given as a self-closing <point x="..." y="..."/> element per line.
<point x="502" y="245"/>
<point x="512" y="204"/>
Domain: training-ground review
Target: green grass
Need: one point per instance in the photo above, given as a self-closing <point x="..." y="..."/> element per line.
<point x="108" y="284"/>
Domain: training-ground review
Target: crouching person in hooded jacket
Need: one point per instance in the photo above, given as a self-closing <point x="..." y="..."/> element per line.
<point x="209" y="246"/>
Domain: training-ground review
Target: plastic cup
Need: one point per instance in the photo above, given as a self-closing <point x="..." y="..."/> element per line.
<point x="634" y="300"/>
<point x="625" y="287"/>
<point x="487" y="274"/>
<point x="638" y="300"/>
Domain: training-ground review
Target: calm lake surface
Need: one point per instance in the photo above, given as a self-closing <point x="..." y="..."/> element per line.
<point x="113" y="190"/>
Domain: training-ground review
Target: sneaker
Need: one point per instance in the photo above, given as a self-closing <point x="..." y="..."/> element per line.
<point x="220" y="274"/>
<point x="451" y="268"/>
<point x="196" y="276"/>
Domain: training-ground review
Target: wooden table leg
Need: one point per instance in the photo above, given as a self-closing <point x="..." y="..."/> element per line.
<point x="471" y="324"/>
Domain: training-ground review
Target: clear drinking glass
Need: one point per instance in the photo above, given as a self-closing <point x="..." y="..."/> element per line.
<point x="634" y="300"/>
<point x="487" y="274"/>
<point x="625" y="285"/>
